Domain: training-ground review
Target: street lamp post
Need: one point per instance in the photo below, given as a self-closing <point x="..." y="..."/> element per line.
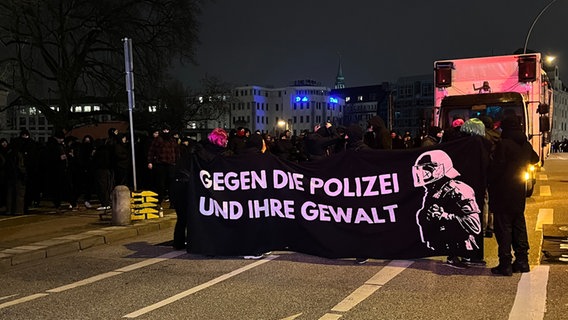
<point x="532" y="26"/>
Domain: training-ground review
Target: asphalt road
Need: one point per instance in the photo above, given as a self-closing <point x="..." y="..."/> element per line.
<point x="138" y="278"/>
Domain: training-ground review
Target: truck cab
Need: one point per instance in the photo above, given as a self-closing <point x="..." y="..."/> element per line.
<point x="497" y="86"/>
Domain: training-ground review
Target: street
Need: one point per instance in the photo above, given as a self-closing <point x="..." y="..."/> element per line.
<point x="139" y="278"/>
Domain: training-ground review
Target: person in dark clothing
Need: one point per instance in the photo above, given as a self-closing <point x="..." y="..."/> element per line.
<point x="507" y="196"/>
<point x="493" y="136"/>
<point x="434" y="136"/>
<point x="4" y="148"/>
<point x="377" y="135"/>
<point x="397" y="142"/>
<point x="254" y="145"/>
<point x="179" y="192"/>
<point x="284" y="148"/>
<point x="30" y="151"/>
<point x="214" y="145"/>
<point x="58" y="174"/>
<point x="122" y="161"/>
<point x="86" y="175"/>
<point x="103" y="160"/>
<point x="74" y="170"/>
<point x="16" y="180"/>
<point x="354" y="141"/>
<point x="317" y="143"/>
<point x="237" y="141"/>
<point x="354" y="138"/>
<point x="162" y="157"/>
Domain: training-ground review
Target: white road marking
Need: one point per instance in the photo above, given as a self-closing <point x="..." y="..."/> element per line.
<point x="22" y="300"/>
<point x="545" y="191"/>
<point x="292" y="317"/>
<point x="530" y="302"/>
<point x="8" y="297"/>
<point x="543" y="177"/>
<point x="93" y="279"/>
<point x="83" y="282"/>
<point x="19" y="216"/>
<point x="386" y="274"/>
<point x="545" y="216"/>
<point x="198" y="288"/>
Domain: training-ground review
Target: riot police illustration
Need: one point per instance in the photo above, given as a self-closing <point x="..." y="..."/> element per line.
<point x="449" y="217"/>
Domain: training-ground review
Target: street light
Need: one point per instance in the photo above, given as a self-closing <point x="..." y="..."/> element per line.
<point x="283" y="125"/>
<point x="534" y="22"/>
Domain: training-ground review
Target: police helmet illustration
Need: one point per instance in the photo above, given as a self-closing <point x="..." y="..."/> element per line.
<point x="432" y="166"/>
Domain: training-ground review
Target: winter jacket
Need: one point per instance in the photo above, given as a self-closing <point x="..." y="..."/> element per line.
<point x="506" y="184"/>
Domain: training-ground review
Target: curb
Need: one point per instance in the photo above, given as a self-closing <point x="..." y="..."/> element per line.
<point x="81" y="241"/>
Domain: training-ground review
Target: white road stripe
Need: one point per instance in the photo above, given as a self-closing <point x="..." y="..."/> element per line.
<point x="83" y="282"/>
<point x="543" y="177"/>
<point x="8" y="297"/>
<point x="22" y="300"/>
<point x="545" y="191"/>
<point x="96" y="278"/>
<point x="386" y="274"/>
<point x="545" y="216"/>
<point x="530" y="302"/>
<point x="147" y="262"/>
<point x="292" y="317"/>
<point x="198" y="288"/>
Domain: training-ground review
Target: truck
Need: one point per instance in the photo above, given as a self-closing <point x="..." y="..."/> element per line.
<point x="497" y="86"/>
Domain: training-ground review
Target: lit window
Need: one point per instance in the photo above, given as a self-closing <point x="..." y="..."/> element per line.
<point x="360" y="98"/>
<point x="77" y="109"/>
<point x="96" y="108"/>
<point x="87" y="108"/>
<point x="347" y="99"/>
<point x="152" y="108"/>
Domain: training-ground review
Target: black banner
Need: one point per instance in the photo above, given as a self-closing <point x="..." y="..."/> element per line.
<point x="391" y="204"/>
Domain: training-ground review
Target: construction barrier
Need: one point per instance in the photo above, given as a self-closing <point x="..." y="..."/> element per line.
<point x="144" y="205"/>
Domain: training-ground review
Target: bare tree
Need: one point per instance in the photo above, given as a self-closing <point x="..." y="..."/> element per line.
<point x="73" y="48"/>
<point x="177" y="106"/>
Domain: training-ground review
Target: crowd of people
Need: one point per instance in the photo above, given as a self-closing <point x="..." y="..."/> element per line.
<point x="66" y="170"/>
<point x="63" y="171"/>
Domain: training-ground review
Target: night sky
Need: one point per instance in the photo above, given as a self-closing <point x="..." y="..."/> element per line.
<point x="272" y="43"/>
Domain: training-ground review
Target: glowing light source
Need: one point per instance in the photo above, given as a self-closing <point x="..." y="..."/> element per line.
<point x="333" y="100"/>
<point x="302" y="99"/>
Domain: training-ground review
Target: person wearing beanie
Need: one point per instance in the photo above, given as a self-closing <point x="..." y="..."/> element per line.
<point x="507" y="196"/>
<point x="354" y="138"/>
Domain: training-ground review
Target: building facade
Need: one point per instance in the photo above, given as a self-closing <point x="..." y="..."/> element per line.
<point x="297" y="107"/>
<point x="560" y="112"/>
<point x="413" y="104"/>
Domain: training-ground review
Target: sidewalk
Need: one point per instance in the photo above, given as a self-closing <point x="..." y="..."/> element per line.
<point x="44" y="233"/>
